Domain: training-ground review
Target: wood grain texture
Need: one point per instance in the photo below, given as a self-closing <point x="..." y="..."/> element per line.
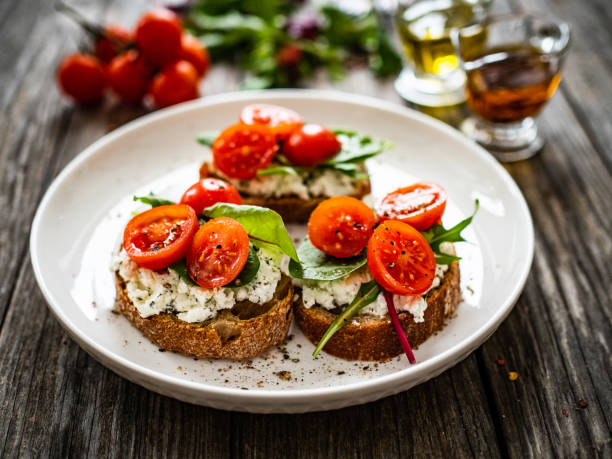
<point x="57" y="401"/>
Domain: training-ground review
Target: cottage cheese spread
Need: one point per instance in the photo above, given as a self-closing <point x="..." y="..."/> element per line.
<point x="154" y="292"/>
<point x="340" y="292"/>
<point x="314" y="183"/>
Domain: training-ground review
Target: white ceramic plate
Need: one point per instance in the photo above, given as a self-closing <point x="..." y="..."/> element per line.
<point x="81" y="217"/>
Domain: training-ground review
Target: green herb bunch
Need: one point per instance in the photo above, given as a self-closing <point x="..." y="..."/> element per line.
<point x="280" y="42"/>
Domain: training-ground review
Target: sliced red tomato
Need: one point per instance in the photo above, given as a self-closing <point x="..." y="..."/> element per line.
<point x="310" y="145"/>
<point x="209" y="191"/>
<point x="420" y="205"/>
<point x="218" y="252"/>
<point x="241" y="150"/>
<point x="341" y="226"/>
<point x="281" y="120"/>
<point x="400" y="259"/>
<point x="159" y="237"/>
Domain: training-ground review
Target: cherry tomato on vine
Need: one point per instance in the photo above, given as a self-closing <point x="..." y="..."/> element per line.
<point x="218" y="252"/>
<point x="341" y="226"/>
<point x="129" y="76"/>
<point x="159" y="237"/>
<point x="310" y="145"/>
<point x="115" y="37"/>
<point x="400" y="259"/>
<point x="194" y="51"/>
<point x="209" y="191"/>
<point x="177" y="82"/>
<point x="81" y="77"/>
<point x="241" y="150"/>
<point x="281" y="120"/>
<point x="421" y="205"/>
<point x="158" y="35"/>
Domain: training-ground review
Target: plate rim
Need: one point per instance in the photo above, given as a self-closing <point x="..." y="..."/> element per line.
<point x="442" y="360"/>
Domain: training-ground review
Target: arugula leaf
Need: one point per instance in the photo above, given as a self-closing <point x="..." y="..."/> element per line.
<point x="153" y="200"/>
<point x="180" y="267"/>
<point x="317" y="265"/>
<point x="367" y="294"/>
<point x="264" y="226"/>
<point x="437" y="234"/>
<point x="280" y="170"/>
<point x="249" y="271"/>
<point x="357" y="147"/>
<point x="207" y="137"/>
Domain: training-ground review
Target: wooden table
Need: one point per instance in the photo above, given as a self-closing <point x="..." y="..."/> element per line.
<point x="56" y="400"/>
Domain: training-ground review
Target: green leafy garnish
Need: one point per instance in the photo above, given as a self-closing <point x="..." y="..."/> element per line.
<point x="357" y="147"/>
<point x="207" y="137"/>
<point x="180" y="267"/>
<point x="249" y="271"/>
<point x="264" y="226"/>
<point x="153" y="200"/>
<point x="437" y="234"/>
<point x="317" y="265"/>
<point x="280" y="170"/>
<point x="367" y="294"/>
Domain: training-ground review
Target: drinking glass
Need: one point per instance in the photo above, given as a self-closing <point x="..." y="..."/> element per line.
<point x="510" y="79"/>
<point x="432" y="76"/>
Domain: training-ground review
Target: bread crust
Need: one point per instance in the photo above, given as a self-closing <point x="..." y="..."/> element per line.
<point x="291" y="208"/>
<point x="240" y="333"/>
<point x="374" y="338"/>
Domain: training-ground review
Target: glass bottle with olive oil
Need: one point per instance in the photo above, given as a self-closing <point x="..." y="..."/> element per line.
<point x="433" y="76"/>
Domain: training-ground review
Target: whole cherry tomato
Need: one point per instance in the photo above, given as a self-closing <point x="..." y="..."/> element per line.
<point x="209" y="191"/>
<point x="218" y="252"/>
<point x="159" y="237"/>
<point x="241" y="150"/>
<point x="129" y="76"/>
<point x="289" y="55"/>
<point x="310" y="145"/>
<point x="194" y="51"/>
<point x="81" y="77"/>
<point x="158" y="35"/>
<point x="115" y="37"/>
<point x="282" y="120"/>
<point x="177" y="82"/>
<point x="420" y="205"/>
<point x="341" y="226"/>
<point x="400" y="259"/>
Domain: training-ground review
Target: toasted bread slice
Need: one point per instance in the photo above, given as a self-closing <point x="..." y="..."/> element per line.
<point x="240" y="333"/>
<point x="373" y="338"/>
<point x="292" y="208"/>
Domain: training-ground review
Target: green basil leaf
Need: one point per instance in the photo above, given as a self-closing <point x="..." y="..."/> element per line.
<point x="208" y="137"/>
<point x="357" y="147"/>
<point x="249" y="271"/>
<point x="367" y="294"/>
<point x="153" y="200"/>
<point x="445" y="259"/>
<point x="264" y="226"/>
<point x="180" y="267"/>
<point x="317" y="265"/>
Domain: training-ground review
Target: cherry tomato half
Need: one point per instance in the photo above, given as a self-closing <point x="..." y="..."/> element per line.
<point x="241" y="150"/>
<point x="129" y="76"/>
<point x="115" y="37"/>
<point x="310" y="145"/>
<point x="400" y="259"/>
<point x="81" y="77"/>
<point x="159" y="237"/>
<point x="178" y="82"/>
<point x="420" y="205"/>
<point x="158" y="35"/>
<point x="218" y="252"/>
<point x="341" y="226"/>
<point x="194" y="51"/>
<point x="282" y="120"/>
<point x="209" y="191"/>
